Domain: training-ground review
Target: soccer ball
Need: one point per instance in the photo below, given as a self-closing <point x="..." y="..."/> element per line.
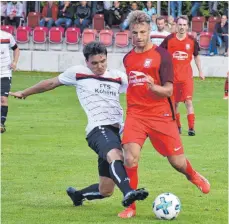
<point x="166" y="206"/>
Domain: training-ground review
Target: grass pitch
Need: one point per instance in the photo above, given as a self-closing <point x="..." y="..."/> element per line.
<point x="44" y="151"/>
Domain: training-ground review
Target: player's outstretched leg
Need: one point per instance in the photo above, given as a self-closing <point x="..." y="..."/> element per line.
<point x="181" y="164"/>
<point x="178" y="123"/>
<point x="88" y="193"/>
<point x="226" y="89"/>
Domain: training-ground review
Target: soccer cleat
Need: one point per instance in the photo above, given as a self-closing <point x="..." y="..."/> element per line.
<point x="75" y="196"/>
<point x="3" y="128"/>
<point x="127" y="213"/>
<point x="191" y="132"/>
<point x="134" y="195"/>
<point x="201" y="182"/>
<point x="180" y="130"/>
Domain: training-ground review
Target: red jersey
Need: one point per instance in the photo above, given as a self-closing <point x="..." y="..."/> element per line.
<point x="141" y="101"/>
<point x="181" y="51"/>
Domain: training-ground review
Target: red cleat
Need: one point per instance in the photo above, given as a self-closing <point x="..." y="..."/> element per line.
<point x="201" y="182"/>
<point x="127" y="213"/>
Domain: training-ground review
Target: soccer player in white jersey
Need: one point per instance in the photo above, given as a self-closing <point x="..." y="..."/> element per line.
<point x="98" y="91"/>
<point x="7" y="43"/>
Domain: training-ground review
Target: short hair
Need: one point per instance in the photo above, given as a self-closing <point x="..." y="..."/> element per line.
<point x="137" y="17"/>
<point x="94" y="48"/>
<point x="160" y="18"/>
<point x="184" y="17"/>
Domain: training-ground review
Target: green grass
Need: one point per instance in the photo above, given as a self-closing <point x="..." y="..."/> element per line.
<point x="44" y="151"/>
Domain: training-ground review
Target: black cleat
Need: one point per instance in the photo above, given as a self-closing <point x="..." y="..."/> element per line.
<point x="76" y="196"/>
<point x="134" y="195"/>
<point x="191" y="132"/>
<point x="180" y="130"/>
<point x="3" y="128"/>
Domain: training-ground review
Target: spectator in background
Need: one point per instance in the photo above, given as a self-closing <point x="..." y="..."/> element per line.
<point x="220" y="35"/>
<point x="83" y="14"/>
<point x="159" y="35"/>
<point x="114" y="15"/>
<point x="213" y="8"/>
<point x="176" y="6"/>
<point x="195" y="8"/>
<point x="66" y="14"/>
<point x="170" y="25"/>
<point x="49" y="14"/>
<point x="153" y="23"/>
<point x="14" y="13"/>
<point x="149" y="9"/>
<point x="125" y="25"/>
<point x="3" y="11"/>
<point x="97" y="8"/>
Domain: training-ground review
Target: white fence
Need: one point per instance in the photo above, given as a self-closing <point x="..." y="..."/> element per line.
<point x="56" y="61"/>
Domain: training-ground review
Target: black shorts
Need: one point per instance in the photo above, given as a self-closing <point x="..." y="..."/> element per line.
<point x="5" y="86"/>
<point x="102" y="139"/>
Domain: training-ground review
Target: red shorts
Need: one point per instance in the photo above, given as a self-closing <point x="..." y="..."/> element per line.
<point x="183" y="91"/>
<point x="163" y="135"/>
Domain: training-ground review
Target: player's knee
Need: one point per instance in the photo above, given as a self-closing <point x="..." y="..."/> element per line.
<point x="114" y="154"/>
<point x="106" y="191"/>
<point x="130" y="160"/>
<point x="188" y="103"/>
<point x="177" y="164"/>
<point x="4" y="100"/>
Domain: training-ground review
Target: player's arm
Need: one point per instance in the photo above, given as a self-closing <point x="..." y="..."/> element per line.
<point x="197" y="59"/>
<point x="164" y="91"/>
<point x="40" y="87"/>
<point x="16" y="53"/>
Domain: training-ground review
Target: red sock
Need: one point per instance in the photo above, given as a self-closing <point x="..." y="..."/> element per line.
<point x="226" y="88"/>
<point x="178" y="120"/>
<point x="189" y="170"/>
<point x="132" y="173"/>
<point x="191" y="121"/>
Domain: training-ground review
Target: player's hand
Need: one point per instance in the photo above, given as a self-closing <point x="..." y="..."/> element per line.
<point x="18" y="95"/>
<point x="149" y="80"/>
<point x="201" y="75"/>
<point x="13" y="66"/>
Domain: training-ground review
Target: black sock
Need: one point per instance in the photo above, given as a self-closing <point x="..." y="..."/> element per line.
<point x="119" y="176"/>
<point x="91" y="192"/>
<point x="4" y="111"/>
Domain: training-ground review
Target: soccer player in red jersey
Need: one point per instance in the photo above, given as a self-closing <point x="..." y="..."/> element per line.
<point x="182" y="46"/>
<point x="150" y="111"/>
<point x="226" y="88"/>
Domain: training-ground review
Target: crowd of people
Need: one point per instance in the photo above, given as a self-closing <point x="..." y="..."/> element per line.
<point x="80" y="14"/>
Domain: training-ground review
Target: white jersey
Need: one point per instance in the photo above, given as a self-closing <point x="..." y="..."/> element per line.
<point x="157" y="37"/>
<point x="7" y="42"/>
<point x="98" y="95"/>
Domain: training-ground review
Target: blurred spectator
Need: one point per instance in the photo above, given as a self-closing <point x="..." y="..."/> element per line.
<point x="66" y="14"/>
<point x="125" y="25"/>
<point x="153" y="22"/>
<point x="170" y="25"/>
<point x="195" y="8"/>
<point x="161" y="33"/>
<point x="213" y="8"/>
<point x="97" y="8"/>
<point x="149" y="9"/>
<point x="220" y="35"/>
<point x="176" y="6"/>
<point x="107" y="5"/>
<point x="114" y="15"/>
<point x="3" y="11"/>
<point x="49" y="14"/>
<point x="14" y="13"/>
<point x="83" y="14"/>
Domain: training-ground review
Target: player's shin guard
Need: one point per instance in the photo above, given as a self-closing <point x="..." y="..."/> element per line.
<point x="119" y="176"/>
<point x="91" y="192"/>
<point x="4" y="111"/>
<point x="191" y="121"/>
<point x="178" y="120"/>
<point x="132" y="173"/>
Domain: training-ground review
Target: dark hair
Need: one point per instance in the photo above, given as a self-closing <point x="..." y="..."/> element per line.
<point x="184" y="17"/>
<point x="94" y="48"/>
<point x="160" y="18"/>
